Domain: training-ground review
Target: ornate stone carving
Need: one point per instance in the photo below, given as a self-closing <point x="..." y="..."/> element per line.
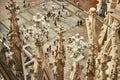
<point x="15" y="41"/>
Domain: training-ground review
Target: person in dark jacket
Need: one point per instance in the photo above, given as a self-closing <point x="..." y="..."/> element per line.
<point x="55" y="23"/>
<point x="80" y="22"/>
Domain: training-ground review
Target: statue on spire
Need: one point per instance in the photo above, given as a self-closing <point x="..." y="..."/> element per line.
<point x="60" y="54"/>
<point x="15" y="40"/>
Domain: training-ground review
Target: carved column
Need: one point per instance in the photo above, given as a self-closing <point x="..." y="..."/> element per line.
<point x="90" y="24"/>
<point x="101" y="65"/>
<point x="75" y="71"/>
<point x="93" y="41"/>
<point x="115" y="56"/>
<point x="37" y="71"/>
<point x="15" y="40"/>
<point x="60" y="54"/>
<point x="38" y="55"/>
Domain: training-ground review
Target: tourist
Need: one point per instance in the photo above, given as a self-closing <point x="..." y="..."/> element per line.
<point x="45" y="18"/>
<point x="69" y="40"/>
<point x="80" y="22"/>
<point x="26" y="35"/>
<point x="44" y="6"/>
<point x="52" y="52"/>
<point x="53" y="16"/>
<point x="48" y="14"/>
<point x="23" y="30"/>
<point x="63" y="7"/>
<point x="3" y="39"/>
<point x="59" y="12"/>
<point x="50" y="47"/>
<point x="55" y="42"/>
<point x="47" y="56"/>
<point x="47" y="49"/>
<point x="57" y="17"/>
<point x="24" y="4"/>
<point x="28" y="4"/>
<point x="55" y="23"/>
<point x="47" y="37"/>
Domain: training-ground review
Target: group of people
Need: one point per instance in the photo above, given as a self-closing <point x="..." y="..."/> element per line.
<point x="55" y="16"/>
<point x="49" y="48"/>
<point x="24" y="4"/>
<point x="79" y="22"/>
